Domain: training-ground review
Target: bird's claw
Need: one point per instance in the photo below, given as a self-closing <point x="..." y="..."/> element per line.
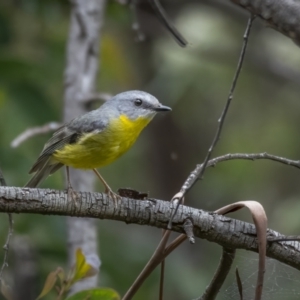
<point x="114" y="196"/>
<point x="72" y="195"/>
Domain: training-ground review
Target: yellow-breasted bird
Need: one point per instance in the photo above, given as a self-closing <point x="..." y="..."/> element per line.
<point x="98" y="137"/>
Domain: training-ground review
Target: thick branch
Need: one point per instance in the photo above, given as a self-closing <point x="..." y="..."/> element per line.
<point x="227" y="232"/>
<point x="282" y="15"/>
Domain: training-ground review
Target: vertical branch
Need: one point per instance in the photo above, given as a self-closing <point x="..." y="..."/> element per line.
<point x="189" y="184"/>
<point x="9" y="234"/>
<point x="216" y="283"/>
<point x="157" y="257"/>
<point x="80" y="76"/>
<point x="200" y="169"/>
<point x="161" y="280"/>
<point x="6" y="245"/>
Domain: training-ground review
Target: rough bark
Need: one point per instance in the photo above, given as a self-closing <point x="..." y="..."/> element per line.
<point x="227" y="232"/>
<point x="81" y="70"/>
<point x="282" y="15"/>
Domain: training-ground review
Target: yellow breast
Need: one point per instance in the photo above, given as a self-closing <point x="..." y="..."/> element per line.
<point x="100" y="149"/>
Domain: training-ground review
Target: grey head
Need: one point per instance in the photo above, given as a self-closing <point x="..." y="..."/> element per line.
<point x="136" y="104"/>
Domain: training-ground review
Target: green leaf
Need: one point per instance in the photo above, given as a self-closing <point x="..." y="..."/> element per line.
<point x="50" y="282"/>
<point x="82" y="268"/>
<point x="96" y="294"/>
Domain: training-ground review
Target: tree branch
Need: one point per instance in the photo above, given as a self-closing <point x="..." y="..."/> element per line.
<point x="215" y="285"/>
<point x="188" y="184"/>
<point x="252" y="157"/>
<point x="31" y="132"/>
<point x="9" y="234"/>
<point x="227" y="232"/>
<point x="162" y="16"/>
<point x="282" y="15"/>
<point x="87" y="17"/>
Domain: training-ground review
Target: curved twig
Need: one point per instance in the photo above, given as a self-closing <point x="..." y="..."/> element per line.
<point x="162" y="16"/>
<point x="216" y="283"/>
<point x="191" y="180"/>
<point x="30" y="132"/>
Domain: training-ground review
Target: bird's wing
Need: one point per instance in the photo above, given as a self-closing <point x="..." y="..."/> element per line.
<point x="60" y="138"/>
<point x="95" y="120"/>
<point x="70" y="133"/>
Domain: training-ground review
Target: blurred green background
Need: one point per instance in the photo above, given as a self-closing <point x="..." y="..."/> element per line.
<point x="195" y="81"/>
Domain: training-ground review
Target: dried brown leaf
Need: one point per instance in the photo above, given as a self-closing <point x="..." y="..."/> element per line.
<point x="50" y="282"/>
<point x="260" y="221"/>
<point x="6" y="290"/>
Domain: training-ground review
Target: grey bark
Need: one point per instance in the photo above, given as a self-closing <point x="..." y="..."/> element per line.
<point x="227" y="232"/>
<point x="80" y="76"/>
<point x="282" y="15"/>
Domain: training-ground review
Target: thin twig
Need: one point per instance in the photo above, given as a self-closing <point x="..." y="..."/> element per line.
<point x="10" y="231"/>
<point x="162" y="16"/>
<point x="199" y="174"/>
<point x="189" y="230"/>
<point x="239" y="283"/>
<point x="157" y="257"/>
<point x="217" y="281"/>
<point x="236" y="156"/>
<point x="30" y="132"/>
<point x="252" y="157"/>
<point x="173" y="245"/>
<point x="189" y="184"/>
<point x="162" y="274"/>
<point x="246" y="156"/>
<point x="161" y="281"/>
<point x="243" y="156"/>
<point x="284" y="238"/>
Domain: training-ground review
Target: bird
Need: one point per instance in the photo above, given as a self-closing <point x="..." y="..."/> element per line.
<point x="97" y="138"/>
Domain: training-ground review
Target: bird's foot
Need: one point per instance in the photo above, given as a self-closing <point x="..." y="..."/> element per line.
<point x="113" y="195"/>
<point x="72" y="195"/>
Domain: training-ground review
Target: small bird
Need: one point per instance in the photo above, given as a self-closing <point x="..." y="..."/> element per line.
<point x="97" y="138"/>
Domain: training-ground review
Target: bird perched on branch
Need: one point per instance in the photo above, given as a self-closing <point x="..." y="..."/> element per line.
<point x="97" y="138"/>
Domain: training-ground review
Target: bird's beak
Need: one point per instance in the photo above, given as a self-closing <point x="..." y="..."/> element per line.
<point x="161" y="107"/>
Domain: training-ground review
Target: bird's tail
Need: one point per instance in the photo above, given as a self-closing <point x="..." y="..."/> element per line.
<point x="41" y="174"/>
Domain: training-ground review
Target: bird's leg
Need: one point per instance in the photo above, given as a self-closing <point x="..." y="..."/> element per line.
<point x="108" y="190"/>
<point x="71" y="193"/>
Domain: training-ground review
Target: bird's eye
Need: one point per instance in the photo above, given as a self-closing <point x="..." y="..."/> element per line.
<point x="138" y="102"/>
